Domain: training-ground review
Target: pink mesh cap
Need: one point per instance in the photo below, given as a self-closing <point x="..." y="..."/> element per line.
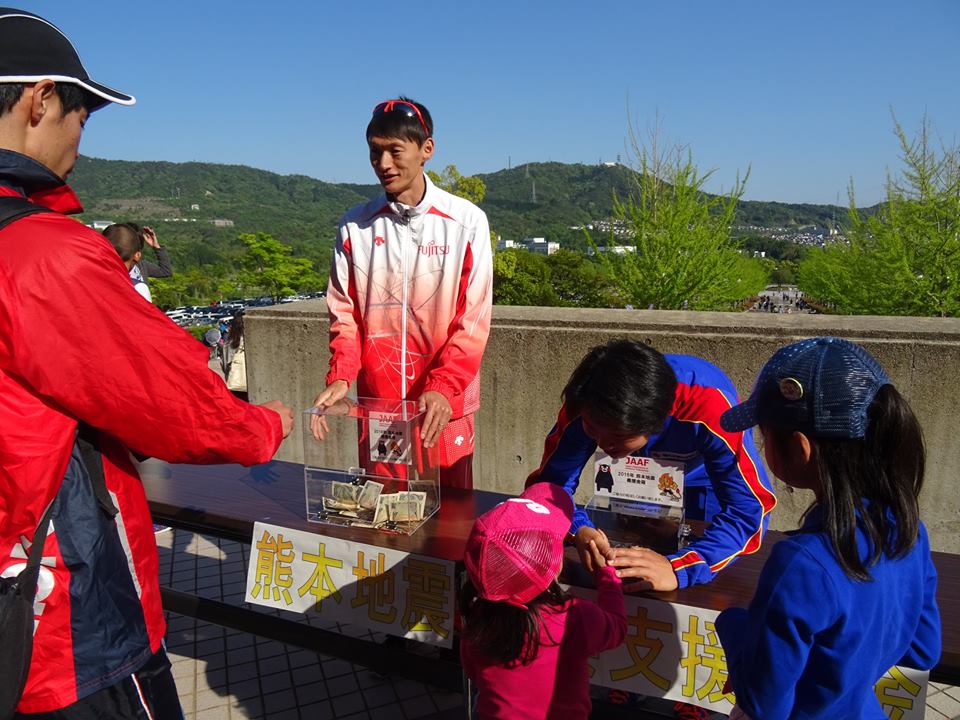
<point x="515" y="550"/>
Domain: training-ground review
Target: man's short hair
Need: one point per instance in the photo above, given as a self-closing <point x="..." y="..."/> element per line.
<point x="126" y="238"/>
<point x="624" y="386"/>
<point x="403" y="125"/>
<point x="72" y="97"/>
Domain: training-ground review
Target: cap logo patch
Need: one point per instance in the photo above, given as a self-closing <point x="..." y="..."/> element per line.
<point x="791" y="388"/>
<point x="531" y="505"/>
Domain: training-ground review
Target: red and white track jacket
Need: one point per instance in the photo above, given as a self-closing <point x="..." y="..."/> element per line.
<point x="410" y="294"/>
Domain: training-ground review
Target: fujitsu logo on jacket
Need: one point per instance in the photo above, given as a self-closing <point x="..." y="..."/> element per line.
<point x="432" y="248"/>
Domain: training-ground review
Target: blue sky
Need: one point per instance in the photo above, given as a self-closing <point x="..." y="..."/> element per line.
<point x="801" y="93"/>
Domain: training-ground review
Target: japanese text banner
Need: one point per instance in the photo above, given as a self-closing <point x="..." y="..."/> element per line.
<point x="384" y="590"/>
<point x="673" y="651"/>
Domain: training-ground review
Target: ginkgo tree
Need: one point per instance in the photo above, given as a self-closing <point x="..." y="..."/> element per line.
<point x="905" y="258"/>
<point x="683" y="255"/>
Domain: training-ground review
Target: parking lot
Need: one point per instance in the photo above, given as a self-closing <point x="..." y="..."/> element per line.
<point x="193" y="315"/>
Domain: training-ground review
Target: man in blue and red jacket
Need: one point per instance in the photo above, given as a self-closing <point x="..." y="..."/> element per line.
<point x="628" y="399"/>
<point x="75" y="401"/>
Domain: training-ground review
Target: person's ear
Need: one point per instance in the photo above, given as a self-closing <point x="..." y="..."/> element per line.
<point x="41" y="100"/>
<point x="136" y="256"/>
<point x="801" y="447"/>
<point x="426" y="150"/>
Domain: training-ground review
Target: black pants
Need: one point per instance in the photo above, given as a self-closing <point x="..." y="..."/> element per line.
<point x="148" y="694"/>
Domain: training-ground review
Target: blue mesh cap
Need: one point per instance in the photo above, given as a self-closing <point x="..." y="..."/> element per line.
<point x="822" y="387"/>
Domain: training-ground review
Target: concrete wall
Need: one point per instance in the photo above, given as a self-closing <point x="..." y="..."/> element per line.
<point x="532" y="351"/>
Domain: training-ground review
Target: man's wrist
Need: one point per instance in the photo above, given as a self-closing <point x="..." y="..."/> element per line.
<point x="439" y="386"/>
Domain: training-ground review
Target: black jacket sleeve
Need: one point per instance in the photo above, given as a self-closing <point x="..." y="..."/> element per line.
<point x="161" y="268"/>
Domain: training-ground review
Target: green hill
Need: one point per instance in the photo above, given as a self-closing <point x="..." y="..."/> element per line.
<point x="545" y="199"/>
<point x="183" y="199"/>
<point x="162" y="191"/>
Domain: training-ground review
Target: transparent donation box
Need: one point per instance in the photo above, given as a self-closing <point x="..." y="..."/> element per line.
<point x="639" y="501"/>
<point x="369" y="469"/>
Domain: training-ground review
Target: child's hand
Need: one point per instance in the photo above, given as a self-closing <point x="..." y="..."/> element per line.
<point x="587" y="536"/>
<point x="596" y="557"/>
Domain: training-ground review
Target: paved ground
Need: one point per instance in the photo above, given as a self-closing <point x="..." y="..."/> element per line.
<point x="228" y="675"/>
<point x="943" y="701"/>
<point x="783" y="301"/>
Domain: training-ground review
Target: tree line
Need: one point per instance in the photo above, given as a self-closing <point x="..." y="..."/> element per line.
<point x="668" y="243"/>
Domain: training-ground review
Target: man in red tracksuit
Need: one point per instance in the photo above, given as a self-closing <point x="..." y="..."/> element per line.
<point x="410" y="292"/>
<point x="74" y="339"/>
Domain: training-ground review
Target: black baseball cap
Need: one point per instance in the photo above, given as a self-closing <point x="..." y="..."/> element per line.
<point x="33" y="49"/>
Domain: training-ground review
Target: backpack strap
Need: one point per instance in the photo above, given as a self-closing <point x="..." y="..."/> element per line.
<point x="28" y="577"/>
<point x="14" y="207"/>
<point x="93" y="460"/>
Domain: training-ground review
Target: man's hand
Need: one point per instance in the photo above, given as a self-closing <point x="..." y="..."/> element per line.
<point x="592" y="545"/>
<point x="331" y="394"/>
<point x="150" y="237"/>
<point x="286" y="414"/>
<point x="644" y="568"/>
<point x="438" y="415"/>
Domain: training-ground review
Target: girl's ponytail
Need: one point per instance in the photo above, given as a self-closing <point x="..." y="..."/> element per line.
<point x="876" y="479"/>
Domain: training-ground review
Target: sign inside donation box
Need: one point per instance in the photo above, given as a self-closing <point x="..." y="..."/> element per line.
<point x="389" y="439"/>
<point x="639" y="501"/>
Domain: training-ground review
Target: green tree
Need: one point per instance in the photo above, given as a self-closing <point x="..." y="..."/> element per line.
<point x="905" y="259"/>
<point x="522" y="278"/>
<point x="685" y="256"/>
<point x="192" y="287"/>
<point x="470" y="188"/>
<point x="784" y="273"/>
<point x="267" y="264"/>
<point x="565" y="278"/>
<point x="578" y="282"/>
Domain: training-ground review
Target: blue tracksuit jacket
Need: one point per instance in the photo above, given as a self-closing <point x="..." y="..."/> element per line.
<point x="814" y="641"/>
<point x="734" y="496"/>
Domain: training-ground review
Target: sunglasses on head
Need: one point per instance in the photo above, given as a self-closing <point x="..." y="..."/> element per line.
<point x="401" y="106"/>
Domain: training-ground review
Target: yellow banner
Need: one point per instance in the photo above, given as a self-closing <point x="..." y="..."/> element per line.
<point x="381" y="589"/>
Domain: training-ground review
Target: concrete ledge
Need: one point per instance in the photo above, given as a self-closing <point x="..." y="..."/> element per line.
<point x="532" y="351"/>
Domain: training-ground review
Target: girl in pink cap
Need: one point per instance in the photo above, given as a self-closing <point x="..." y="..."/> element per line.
<point x="525" y="643"/>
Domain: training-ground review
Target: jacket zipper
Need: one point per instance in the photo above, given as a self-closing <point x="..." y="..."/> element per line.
<point x="403" y="309"/>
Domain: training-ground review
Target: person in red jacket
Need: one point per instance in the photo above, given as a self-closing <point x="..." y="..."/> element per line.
<point x="410" y="292"/>
<point x="75" y="402"/>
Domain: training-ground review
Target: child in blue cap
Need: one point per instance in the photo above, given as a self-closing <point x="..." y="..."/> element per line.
<point x="852" y="592"/>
